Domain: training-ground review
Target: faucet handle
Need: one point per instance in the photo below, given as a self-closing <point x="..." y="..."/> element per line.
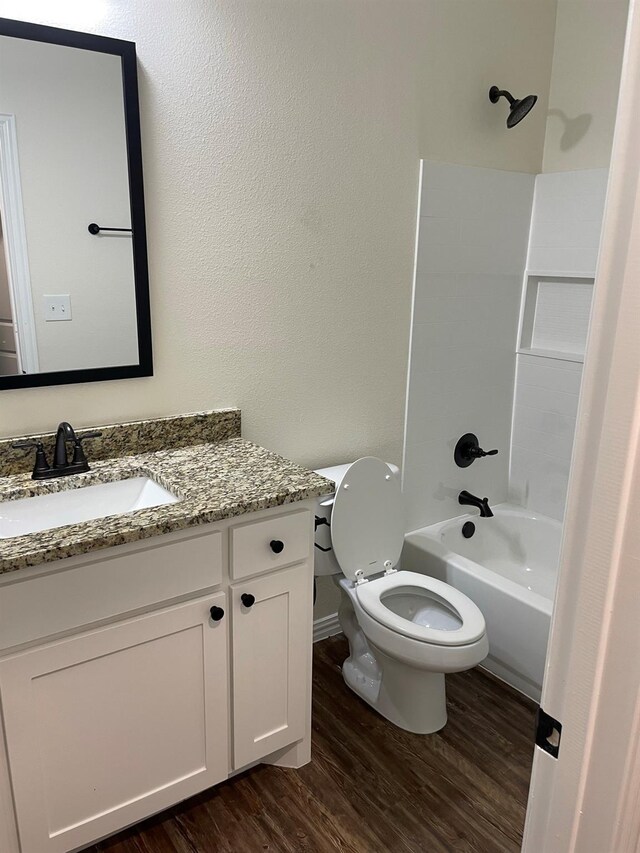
<point x="96" y="434"/>
<point x="41" y="465"/>
<point x="79" y="457"/>
<point x="27" y="442"/>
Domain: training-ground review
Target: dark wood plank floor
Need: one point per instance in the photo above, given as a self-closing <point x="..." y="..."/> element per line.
<point x="370" y="788"/>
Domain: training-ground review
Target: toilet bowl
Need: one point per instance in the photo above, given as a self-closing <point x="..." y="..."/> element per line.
<point x="405" y="630"/>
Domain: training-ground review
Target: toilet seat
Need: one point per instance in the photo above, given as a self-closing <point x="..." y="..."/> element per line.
<point x="367" y="533"/>
<point x="371" y="596"/>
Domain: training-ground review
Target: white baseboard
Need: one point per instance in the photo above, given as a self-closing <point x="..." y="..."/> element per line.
<point x="325" y="627"/>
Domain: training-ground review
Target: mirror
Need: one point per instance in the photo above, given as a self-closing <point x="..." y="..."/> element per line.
<point x="74" y="291"/>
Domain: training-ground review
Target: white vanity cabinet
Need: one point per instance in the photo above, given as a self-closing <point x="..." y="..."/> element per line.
<point x="110" y="720"/>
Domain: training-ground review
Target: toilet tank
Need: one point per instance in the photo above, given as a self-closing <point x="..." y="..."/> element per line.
<point x="325" y="563"/>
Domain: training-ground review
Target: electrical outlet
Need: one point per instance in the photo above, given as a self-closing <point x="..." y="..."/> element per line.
<point x="57" y="306"/>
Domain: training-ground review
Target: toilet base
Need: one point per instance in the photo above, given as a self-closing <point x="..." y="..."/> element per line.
<point x="410" y="698"/>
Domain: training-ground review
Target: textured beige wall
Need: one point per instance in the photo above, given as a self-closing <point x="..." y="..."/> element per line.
<point x="281" y="146"/>
<point x="465" y="48"/>
<point x="587" y="62"/>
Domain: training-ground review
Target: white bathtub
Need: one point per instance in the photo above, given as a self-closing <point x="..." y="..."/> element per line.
<point x="508" y="568"/>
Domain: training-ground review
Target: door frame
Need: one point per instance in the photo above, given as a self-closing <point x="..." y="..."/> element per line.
<point x="15" y="239"/>
<point x="588" y="799"/>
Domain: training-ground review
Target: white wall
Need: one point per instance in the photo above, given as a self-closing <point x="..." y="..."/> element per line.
<point x="583" y="98"/>
<point x="281" y="144"/>
<point x="72" y="154"/>
<point x="473" y="232"/>
<point x="565" y="235"/>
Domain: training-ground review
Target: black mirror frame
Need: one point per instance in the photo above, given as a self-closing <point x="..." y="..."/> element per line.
<point x="126" y="50"/>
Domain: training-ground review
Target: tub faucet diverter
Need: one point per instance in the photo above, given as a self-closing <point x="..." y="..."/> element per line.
<point x="467" y="499"/>
<point x="468" y="449"/>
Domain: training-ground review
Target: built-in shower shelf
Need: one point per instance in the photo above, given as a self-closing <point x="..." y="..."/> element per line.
<point x="587" y="275"/>
<point x="561" y="355"/>
<point x="555" y="315"/>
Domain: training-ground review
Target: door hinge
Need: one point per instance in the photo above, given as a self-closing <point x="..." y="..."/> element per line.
<point x="548" y="732"/>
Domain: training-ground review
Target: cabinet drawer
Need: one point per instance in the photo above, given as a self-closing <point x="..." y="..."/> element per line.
<point x="108" y="583"/>
<point x="256" y="546"/>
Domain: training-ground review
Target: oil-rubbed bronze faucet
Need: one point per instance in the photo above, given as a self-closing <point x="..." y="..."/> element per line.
<point x="61" y="466"/>
<point x="467" y="499"/>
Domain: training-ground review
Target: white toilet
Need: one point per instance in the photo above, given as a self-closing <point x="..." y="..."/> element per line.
<point x="405" y="630"/>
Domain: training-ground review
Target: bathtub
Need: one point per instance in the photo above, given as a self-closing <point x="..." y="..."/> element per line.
<point x="508" y="568"/>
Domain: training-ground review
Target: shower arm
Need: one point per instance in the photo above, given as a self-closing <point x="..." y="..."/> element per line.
<point x="502" y="93"/>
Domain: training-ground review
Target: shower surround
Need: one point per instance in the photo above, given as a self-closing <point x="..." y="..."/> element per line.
<point x="481" y="233"/>
<point x="472" y="247"/>
<point x="478" y="366"/>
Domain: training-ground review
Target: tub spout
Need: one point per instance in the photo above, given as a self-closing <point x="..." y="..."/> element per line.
<point x="467" y="499"/>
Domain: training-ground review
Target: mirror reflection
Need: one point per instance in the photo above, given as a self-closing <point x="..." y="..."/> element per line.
<point x="67" y="295"/>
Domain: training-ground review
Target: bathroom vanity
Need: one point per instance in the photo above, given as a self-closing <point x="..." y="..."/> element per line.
<point x="147" y="656"/>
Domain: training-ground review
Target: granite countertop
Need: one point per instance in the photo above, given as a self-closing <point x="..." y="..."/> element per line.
<point x="213" y="481"/>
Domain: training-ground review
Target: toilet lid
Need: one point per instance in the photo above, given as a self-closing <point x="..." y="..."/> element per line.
<point x="367" y="524"/>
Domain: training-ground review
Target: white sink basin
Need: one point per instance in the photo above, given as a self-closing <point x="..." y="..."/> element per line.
<point x="71" y="506"/>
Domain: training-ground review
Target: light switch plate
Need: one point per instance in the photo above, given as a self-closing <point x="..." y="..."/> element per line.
<point x="57" y="306"/>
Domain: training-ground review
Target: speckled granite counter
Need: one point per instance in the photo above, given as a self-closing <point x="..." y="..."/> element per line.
<point x="132" y="437"/>
<point x="213" y="481"/>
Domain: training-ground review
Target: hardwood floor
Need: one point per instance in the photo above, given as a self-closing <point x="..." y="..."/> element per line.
<point x="370" y="788"/>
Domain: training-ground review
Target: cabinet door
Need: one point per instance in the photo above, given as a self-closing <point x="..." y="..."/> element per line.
<point x="271" y="662"/>
<point x="113" y="725"/>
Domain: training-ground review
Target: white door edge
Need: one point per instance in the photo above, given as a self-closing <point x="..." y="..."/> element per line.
<point x="586" y="800"/>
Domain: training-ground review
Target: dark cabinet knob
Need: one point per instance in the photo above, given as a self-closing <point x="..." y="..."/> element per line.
<point x="216" y="613"/>
<point x="247" y="599"/>
<point x="277" y="546"/>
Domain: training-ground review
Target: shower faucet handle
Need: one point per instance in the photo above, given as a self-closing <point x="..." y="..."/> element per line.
<point x="468" y="449"/>
<point x="478" y="452"/>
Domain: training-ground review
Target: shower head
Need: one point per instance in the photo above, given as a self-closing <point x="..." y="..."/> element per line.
<point x="518" y="108"/>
